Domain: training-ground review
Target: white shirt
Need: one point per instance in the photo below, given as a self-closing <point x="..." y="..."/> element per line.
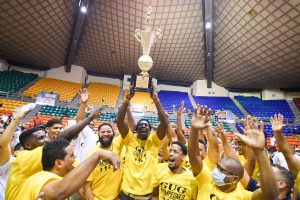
<point x="4" y="172"/>
<point x="84" y="143"/>
<point x="272" y="141"/>
<point x="279" y="159"/>
<point x="4" y="118"/>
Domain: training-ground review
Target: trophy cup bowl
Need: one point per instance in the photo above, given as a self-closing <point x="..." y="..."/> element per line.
<point x="145" y="63"/>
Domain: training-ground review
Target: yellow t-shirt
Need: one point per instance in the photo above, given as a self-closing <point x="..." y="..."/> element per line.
<point x="26" y="164"/>
<point x="186" y="163"/>
<point x="208" y="190"/>
<point x="242" y="159"/>
<point x="174" y="186"/>
<point x="33" y="185"/>
<point x="208" y="163"/>
<point x="105" y="182"/>
<point x="141" y="162"/>
<point x="298" y="181"/>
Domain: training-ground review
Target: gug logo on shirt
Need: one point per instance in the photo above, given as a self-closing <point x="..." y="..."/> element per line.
<point x="172" y="191"/>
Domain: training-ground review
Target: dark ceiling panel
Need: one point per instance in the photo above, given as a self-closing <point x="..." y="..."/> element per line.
<point x="257" y="44"/>
<point x="108" y="45"/>
<point x="36" y="32"/>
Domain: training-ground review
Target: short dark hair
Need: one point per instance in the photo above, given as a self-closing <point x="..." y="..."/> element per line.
<point x="105" y="124"/>
<point x="41" y="126"/>
<point x="27" y="134"/>
<point x="51" y="122"/>
<point x="150" y="127"/>
<point x="52" y="151"/>
<point x="204" y="143"/>
<point x="288" y="176"/>
<point x="18" y="147"/>
<point x="182" y="146"/>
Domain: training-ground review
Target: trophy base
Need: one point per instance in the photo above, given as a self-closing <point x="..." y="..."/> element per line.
<point x="142" y="83"/>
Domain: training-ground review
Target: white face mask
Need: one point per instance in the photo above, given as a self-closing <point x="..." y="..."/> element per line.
<point x="219" y="177"/>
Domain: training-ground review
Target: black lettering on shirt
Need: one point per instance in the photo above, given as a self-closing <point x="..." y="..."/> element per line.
<point x="172" y="191"/>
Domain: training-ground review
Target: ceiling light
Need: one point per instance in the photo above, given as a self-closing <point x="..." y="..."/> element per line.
<point x="83" y="9"/>
<point x="208" y="25"/>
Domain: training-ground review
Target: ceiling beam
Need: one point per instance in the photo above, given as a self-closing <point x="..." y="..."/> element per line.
<point x="79" y="24"/>
<point x="208" y="40"/>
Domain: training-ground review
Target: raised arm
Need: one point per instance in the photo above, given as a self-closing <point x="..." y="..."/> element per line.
<point x="213" y="152"/>
<point x="84" y="98"/>
<point x="179" y="130"/>
<point x="255" y="140"/>
<point x="164" y="121"/>
<point x="73" y="131"/>
<point x="121" y="123"/>
<point x="228" y="149"/>
<point x="64" y="188"/>
<point x="199" y="122"/>
<point x="130" y="119"/>
<point x="7" y="135"/>
<point x="292" y="161"/>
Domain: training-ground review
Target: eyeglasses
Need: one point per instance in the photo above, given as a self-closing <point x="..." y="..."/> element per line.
<point x="221" y="169"/>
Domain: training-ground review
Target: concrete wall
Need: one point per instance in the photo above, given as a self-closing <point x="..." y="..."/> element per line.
<point x="273" y="94"/>
<point x="98" y="79"/>
<point x="245" y="94"/>
<point x="199" y="88"/>
<point x="173" y="88"/>
<point x="291" y="95"/>
<point x="3" y="65"/>
<point x="26" y="70"/>
<point x="76" y="75"/>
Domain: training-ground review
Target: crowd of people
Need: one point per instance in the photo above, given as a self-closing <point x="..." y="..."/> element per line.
<point x="140" y="162"/>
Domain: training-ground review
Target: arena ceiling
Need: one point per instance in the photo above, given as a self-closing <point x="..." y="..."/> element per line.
<point x="256" y="43"/>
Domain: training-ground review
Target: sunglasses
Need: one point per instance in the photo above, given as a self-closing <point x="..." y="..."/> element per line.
<point x="224" y="171"/>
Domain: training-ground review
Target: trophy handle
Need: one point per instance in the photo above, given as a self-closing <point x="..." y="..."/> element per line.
<point x="158" y="34"/>
<point x="138" y="35"/>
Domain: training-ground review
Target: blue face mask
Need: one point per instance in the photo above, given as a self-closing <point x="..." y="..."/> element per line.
<point x="219" y="177"/>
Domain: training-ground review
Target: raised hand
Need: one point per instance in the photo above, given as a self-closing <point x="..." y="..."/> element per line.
<point x="88" y="109"/>
<point x="253" y="137"/>
<point x="19" y="114"/>
<point x="221" y="131"/>
<point x="153" y="94"/>
<point x="130" y="95"/>
<point x="201" y="118"/>
<point x="111" y="157"/>
<point x="277" y="123"/>
<point x="84" y="95"/>
<point x="181" y="109"/>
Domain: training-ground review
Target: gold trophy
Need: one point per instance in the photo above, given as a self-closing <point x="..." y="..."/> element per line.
<point x="147" y="38"/>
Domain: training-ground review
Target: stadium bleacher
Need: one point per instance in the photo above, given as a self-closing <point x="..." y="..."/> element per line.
<point x="219" y="103"/>
<point x="66" y="90"/>
<point x="99" y="91"/>
<point x="171" y="100"/>
<point x="265" y="109"/>
<point x="12" y="81"/>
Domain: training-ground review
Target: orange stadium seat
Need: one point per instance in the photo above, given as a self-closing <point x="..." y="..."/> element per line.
<point x="67" y="90"/>
<point x="142" y="98"/>
<point x="99" y="91"/>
